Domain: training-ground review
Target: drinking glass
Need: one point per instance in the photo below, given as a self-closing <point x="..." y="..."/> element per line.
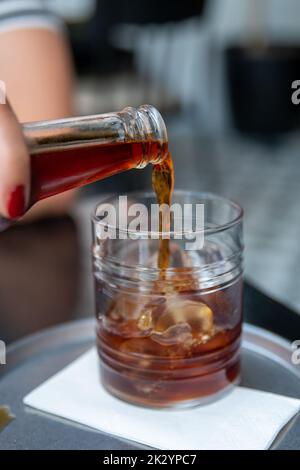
<point x="169" y="338"/>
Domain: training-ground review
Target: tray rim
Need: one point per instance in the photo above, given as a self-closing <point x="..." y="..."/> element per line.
<point x="279" y="352"/>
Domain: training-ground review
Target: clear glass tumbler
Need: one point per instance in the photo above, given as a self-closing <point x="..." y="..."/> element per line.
<point x="172" y="339"/>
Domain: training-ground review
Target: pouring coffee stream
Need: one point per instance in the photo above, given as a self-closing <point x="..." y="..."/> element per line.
<point x="163" y="185"/>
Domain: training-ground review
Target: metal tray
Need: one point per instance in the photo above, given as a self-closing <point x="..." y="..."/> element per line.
<point x="266" y="365"/>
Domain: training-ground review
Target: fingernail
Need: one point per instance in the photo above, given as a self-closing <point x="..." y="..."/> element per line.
<point x="16" y="202"/>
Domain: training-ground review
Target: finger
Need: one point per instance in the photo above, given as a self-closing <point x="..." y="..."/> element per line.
<point x="14" y="166"/>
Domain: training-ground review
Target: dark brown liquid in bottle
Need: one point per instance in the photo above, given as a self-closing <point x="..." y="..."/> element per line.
<point x="61" y="170"/>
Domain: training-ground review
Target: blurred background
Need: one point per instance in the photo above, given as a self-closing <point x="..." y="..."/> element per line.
<point x="221" y="73"/>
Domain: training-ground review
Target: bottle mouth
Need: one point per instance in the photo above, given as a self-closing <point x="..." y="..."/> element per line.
<point x="146" y="123"/>
<point x="154" y="120"/>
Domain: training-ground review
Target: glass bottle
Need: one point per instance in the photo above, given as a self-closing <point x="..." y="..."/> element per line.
<point x="69" y="153"/>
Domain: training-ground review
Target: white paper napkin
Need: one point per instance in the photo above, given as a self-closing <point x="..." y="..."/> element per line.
<point x="244" y="419"/>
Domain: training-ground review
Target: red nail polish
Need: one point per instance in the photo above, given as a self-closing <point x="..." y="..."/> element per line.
<point x="16" y="202"/>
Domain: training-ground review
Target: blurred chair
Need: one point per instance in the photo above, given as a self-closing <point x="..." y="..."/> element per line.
<point x="151" y="30"/>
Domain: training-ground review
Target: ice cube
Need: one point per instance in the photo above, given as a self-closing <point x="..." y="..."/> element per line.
<point x="129" y="316"/>
<point x="145" y="321"/>
<point x="180" y="333"/>
<point x="191" y="320"/>
<point x="124" y="308"/>
<point x="143" y="351"/>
